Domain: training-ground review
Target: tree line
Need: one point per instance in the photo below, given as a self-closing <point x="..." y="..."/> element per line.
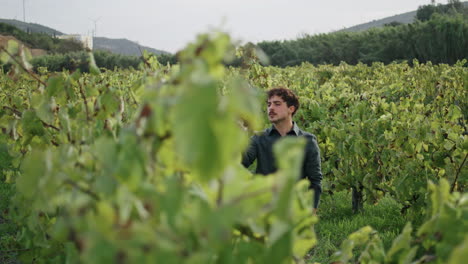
<point x="104" y="59"/>
<point x="453" y="7"/>
<point x="439" y="35"/>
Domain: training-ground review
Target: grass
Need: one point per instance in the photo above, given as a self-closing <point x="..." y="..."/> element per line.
<point x="8" y="244"/>
<point x="337" y="222"/>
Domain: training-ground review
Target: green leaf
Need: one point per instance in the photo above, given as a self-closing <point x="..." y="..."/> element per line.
<point x="109" y="103"/>
<point x="54" y="85"/>
<point x="31" y="124"/>
<point x="280" y="247"/>
<point x="357" y="238"/>
<point x="5" y="158"/>
<point x="448" y="145"/>
<point x="72" y="255"/>
<point x="460" y="253"/>
<point x="44" y="111"/>
<point x="32" y="168"/>
<point x="4" y="58"/>
<point x="13" y="47"/>
<point x="400" y="244"/>
<point x="214" y="137"/>
<point x="455" y="112"/>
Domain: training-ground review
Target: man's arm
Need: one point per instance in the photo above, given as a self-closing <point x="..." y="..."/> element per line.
<point x="250" y="154"/>
<point x="312" y="168"/>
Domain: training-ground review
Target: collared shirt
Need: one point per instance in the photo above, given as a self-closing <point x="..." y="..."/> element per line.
<point x="261" y="149"/>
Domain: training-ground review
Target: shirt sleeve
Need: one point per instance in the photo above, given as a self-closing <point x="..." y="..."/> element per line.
<point x="312" y="168"/>
<point x="250" y="154"/>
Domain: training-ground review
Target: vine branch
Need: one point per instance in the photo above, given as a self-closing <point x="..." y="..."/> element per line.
<point x="82" y="189"/>
<point x="219" y="199"/>
<point x="458" y="174"/>
<point x="18" y="113"/>
<point x="85" y="101"/>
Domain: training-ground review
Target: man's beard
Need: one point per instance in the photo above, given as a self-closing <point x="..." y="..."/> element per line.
<point x="277" y="120"/>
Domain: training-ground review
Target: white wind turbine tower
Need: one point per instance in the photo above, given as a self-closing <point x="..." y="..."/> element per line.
<point x="95" y="25"/>
<point x="24" y="11"/>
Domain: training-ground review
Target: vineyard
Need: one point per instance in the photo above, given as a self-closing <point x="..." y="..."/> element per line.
<point x="143" y="166"/>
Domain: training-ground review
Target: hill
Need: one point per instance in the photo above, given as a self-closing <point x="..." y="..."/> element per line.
<point x="122" y="46"/>
<point x="119" y="46"/>
<point x="31" y="27"/>
<point x="405" y="18"/>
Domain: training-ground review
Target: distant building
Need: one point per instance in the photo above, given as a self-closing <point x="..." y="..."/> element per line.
<point x="87" y="41"/>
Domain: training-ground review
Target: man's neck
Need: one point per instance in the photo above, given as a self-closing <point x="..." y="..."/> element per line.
<point x="284" y="127"/>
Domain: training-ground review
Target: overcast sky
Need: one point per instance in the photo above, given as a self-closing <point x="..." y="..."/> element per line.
<point x="170" y="24"/>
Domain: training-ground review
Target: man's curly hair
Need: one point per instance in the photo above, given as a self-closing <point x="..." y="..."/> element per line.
<point x="287" y="95"/>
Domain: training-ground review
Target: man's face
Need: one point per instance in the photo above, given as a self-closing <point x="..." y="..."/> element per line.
<point x="278" y="110"/>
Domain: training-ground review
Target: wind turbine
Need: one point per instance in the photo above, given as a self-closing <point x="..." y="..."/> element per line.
<point x="95" y="25"/>
<point x="24" y="11"/>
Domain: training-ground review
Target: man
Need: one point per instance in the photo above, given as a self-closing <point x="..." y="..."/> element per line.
<point x="282" y="105"/>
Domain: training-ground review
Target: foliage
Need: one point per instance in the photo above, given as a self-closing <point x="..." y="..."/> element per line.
<point x="140" y="166"/>
<point x="80" y="60"/>
<point x="8" y="244"/>
<point x="337" y="222"/>
<point x="382" y="129"/>
<point x="112" y="61"/>
<point x="105" y="170"/>
<point x="439" y="240"/>
<point x="104" y="59"/>
<point x="71" y="61"/>
<point x="425" y="12"/>
<point x="443" y="39"/>
<point x="165" y="59"/>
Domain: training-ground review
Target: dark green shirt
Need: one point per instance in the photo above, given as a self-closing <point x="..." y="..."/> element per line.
<point x="261" y="149"/>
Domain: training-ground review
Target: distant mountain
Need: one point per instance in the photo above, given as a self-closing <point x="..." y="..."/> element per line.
<point x="122" y="46"/>
<point x="31" y="27"/>
<point x="119" y="46"/>
<point x="405" y="18"/>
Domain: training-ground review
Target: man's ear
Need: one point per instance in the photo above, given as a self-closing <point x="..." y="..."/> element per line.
<point x="292" y="108"/>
